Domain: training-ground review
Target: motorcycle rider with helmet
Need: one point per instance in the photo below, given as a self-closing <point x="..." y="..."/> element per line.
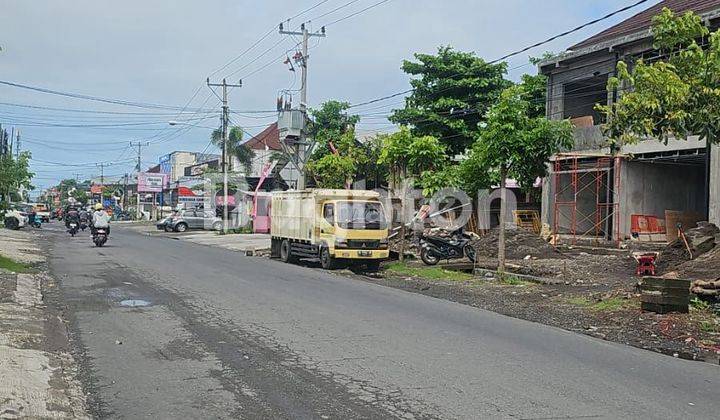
<point x="100" y="219"/>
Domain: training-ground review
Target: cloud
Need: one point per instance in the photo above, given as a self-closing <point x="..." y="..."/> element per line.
<point x="160" y="51"/>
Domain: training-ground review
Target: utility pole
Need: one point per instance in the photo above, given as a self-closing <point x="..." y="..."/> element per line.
<point x="139" y="145"/>
<point x="125" y="193"/>
<point x="17" y="145"/>
<point x="225" y="137"/>
<point x="102" y="166"/>
<point x="302" y="148"/>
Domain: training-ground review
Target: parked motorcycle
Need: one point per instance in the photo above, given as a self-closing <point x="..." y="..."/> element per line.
<point x="457" y="245"/>
<point x="100" y="237"/>
<point x="72" y="228"/>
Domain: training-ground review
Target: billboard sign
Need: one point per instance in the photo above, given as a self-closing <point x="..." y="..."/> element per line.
<point x="166" y="163"/>
<point x="151" y="182"/>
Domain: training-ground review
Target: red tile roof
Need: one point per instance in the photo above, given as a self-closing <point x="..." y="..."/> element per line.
<point x="269" y="137"/>
<point x="643" y="19"/>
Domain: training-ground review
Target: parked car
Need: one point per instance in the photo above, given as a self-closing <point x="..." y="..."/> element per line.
<point x="190" y="219"/>
<point x="15" y="218"/>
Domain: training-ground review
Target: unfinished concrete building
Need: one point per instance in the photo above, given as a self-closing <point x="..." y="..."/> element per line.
<point x="593" y="193"/>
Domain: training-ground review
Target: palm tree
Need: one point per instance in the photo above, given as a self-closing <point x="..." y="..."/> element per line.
<point x="235" y="146"/>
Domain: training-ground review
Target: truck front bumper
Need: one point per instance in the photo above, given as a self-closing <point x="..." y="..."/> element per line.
<point x="369" y="254"/>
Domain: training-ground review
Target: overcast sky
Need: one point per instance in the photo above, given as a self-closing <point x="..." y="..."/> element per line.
<point x="161" y="51"/>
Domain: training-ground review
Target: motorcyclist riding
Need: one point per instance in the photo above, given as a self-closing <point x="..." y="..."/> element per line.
<point x="71" y="215"/>
<point x="100" y="219"/>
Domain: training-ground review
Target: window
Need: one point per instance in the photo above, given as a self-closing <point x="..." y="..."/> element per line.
<point x="361" y="215"/>
<point x="329" y="213"/>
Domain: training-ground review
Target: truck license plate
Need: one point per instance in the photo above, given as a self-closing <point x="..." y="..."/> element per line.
<point x="364" y="253"/>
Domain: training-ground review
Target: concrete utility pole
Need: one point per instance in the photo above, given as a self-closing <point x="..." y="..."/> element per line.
<point x="225" y="137"/>
<point x="17" y="145"/>
<point x="125" y="193"/>
<point x="139" y="145"/>
<point x="102" y="172"/>
<point x="302" y="148"/>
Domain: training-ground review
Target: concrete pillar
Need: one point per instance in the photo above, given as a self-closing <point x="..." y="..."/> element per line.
<point x="715" y="185"/>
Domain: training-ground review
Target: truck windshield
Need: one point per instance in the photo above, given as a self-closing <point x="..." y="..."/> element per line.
<point x="361" y="215"/>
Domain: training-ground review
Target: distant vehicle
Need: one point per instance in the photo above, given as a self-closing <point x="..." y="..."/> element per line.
<point x="73" y="228"/>
<point x="15" y="218"/>
<point x="100" y="237"/>
<point x="190" y="219"/>
<point x="42" y="211"/>
<point x="335" y="226"/>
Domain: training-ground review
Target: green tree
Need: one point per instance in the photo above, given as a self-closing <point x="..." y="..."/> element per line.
<point x="451" y="94"/>
<point x="337" y="157"/>
<point x="235" y="146"/>
<point x="676" y="96"/>
<point x="408" y="155"/>
<point x="80" y="195"/>
<point x="338" y="168"/>
<point x="517" y="143"/>
<point x="15" y="175"/>
<point x="328" y="124"/>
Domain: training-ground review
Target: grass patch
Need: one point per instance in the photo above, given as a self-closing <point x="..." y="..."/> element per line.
<point x="579" y="301"/>
<point x="609" y="305"/>
<point x="511" y="280"/>
<point x="699" y="304"/>
<point x="12" y="265"/>
<point x="430" y="273"/>
<point x="709" y="326"/>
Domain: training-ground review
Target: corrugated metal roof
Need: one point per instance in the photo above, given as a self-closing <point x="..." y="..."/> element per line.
<point x="643" y="19"/>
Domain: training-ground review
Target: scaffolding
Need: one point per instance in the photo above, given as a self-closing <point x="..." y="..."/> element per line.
<point x="593" y="178"/>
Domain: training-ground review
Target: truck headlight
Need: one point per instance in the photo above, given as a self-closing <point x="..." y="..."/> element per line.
<point x="341" y="243"/>
<point x="383" y="243"/>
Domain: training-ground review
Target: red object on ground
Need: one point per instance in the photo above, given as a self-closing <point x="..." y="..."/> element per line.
<point x="646" y="265"/>
<point x="641" y="223"/>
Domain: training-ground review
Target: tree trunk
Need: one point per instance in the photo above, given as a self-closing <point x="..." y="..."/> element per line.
<point x="501" y="233"/>
<point x="401" y="250"/>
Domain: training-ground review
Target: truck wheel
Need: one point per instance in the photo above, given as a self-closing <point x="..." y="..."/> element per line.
<point x="12" y="223"/>
<point x="285" y="253"/>
<point x="327" y="261"/>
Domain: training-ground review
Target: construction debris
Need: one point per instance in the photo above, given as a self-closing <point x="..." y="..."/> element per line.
<point x="518" y="244"/>
<point x="700" y="240"/>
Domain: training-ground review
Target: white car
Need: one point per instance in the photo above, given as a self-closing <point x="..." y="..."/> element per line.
<point x="15" y="219"/>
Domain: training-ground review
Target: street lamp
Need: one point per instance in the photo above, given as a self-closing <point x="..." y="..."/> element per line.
<point x="190" y="125"/>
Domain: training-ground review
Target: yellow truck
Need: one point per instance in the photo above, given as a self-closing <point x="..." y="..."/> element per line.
<point x="338" y="227"/>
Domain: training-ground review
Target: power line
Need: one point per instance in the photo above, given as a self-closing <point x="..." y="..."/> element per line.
<point x="568" y="32"/>
<point x="560" y="35"/>
<point x="89" y="97"/>
<point x="333" y="10"/>
<point x="360" y="11"/>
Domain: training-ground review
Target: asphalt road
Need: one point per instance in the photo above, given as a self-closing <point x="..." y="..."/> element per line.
<point x="228" y="336"/>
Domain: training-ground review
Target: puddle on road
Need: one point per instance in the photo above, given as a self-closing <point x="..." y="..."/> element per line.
<point x="134" y="303"/>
